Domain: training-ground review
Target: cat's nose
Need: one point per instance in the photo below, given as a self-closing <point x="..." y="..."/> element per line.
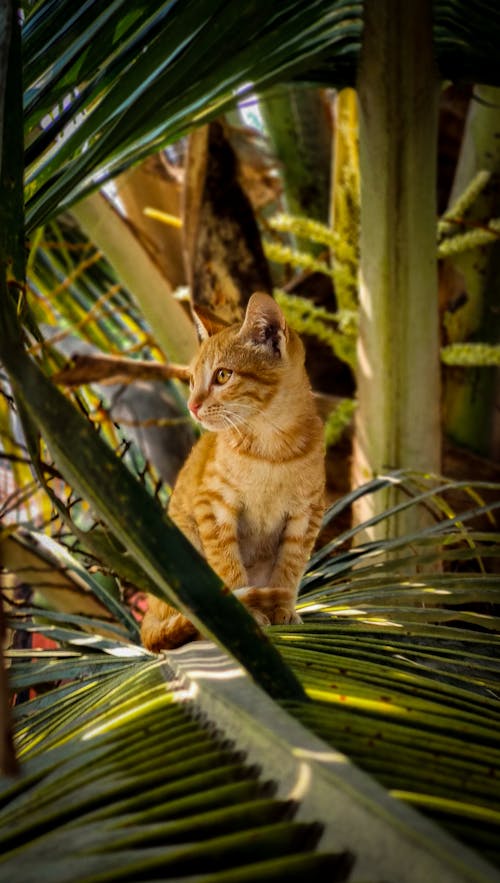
<point x="194" y="406"/>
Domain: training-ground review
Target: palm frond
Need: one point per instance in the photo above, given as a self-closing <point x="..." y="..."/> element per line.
<point x="60" y="582"/>
<point x="72" y="289"/>
<point x="143" y="789"/>
<point x="400" y="663"/>
<point x="149" y="782"/>
<point x="399" y="651"/>
<point x="128" y="80"/>
<point x="129" y="84"/>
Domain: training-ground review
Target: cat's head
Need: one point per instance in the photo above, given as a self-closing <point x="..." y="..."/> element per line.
<point x="241" y="368"/>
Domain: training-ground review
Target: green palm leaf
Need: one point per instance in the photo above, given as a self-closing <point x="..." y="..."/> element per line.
<point x="130" y="80"/>
<point x="411" y="700"/>
<point x="121" y="777"/>
<point x="143" y="790"/>
<point x="401" y="659"/>
<point x="147" y="86"/>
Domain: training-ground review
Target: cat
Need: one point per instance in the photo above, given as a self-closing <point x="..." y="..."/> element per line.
<point x="250" y="496"/>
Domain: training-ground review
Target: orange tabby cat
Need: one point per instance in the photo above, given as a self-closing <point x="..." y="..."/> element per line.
<point x="250" y="495"/>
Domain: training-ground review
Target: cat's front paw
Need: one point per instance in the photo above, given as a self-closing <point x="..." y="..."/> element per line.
<point x="269" y="605"/>
<point x="260" y="617"/>
<point x="285" y="616"/>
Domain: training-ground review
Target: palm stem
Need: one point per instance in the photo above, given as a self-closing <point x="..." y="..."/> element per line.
<point x="398" y="356"/>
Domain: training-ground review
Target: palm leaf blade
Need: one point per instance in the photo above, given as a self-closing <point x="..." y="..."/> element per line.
<point x="138" y="804"/>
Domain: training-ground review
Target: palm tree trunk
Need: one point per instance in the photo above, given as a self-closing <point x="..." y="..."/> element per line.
<point x="398" y="352"/>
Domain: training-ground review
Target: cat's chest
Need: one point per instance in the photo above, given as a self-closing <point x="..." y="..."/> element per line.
<point x="266" y="493"/>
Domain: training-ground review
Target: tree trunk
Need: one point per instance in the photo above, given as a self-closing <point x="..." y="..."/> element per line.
<point x="398" y="352"/>
<point x="223" y="251"/>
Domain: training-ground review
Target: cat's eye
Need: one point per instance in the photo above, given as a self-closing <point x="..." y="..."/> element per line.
<point x="222" y="375"/>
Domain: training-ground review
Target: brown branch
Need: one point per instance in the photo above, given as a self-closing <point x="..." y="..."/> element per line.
<point x="105" y="416"/>
<point x="82" y="369"/>
<point x="47" y="467"/>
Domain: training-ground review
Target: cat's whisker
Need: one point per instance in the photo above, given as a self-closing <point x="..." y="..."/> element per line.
<point x="239" y="419"/>
<point x="251" y="409"/>
<point x="243" y="405"/>
<point x="242" y="411"/>
<point x="288" y="441"/>
<point x="239" y="405"/>
<point x="232" y="424"/>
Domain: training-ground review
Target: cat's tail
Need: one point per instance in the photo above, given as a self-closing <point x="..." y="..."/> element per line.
<point x="164" y="628"/>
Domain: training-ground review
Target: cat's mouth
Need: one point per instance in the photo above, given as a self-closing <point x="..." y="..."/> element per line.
<point x="215" y="421"/>
<point x="210" y="421"/>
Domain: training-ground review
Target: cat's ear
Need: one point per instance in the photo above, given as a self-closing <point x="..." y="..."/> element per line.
<point x="207" y="323"/>
<point x="264" y="324"/>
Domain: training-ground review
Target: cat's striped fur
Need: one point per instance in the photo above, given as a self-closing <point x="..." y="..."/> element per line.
<point x="250" y="495"/>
